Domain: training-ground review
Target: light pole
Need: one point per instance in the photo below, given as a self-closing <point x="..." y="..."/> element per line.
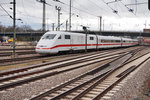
<point x="100" y="25"/>
<point x="43" y="24"/>
<point x="66" y="25"/>
<point x="14" y="27"/>
<point x="58" y="8"/>
<point x="86" y="32"/>
<point x="43" y="15"/>
<point x="70" y="17"/>
<point x="53" y="26"/>
<point x="103" y="25"/>
<point x="149" y="4"/>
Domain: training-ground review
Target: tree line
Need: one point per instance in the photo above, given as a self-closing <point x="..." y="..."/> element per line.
<point x="23" y="28"/>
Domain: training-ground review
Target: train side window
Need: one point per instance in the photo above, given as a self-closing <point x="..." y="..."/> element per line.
<point x="99" y="40"/>
<point x="91" y="38"/>
<point x="59" y="37"/>
<point x="117" y="41"/>
<point x="67" y="36"/>
<point x="49" y="36"/>
<point x="102" y="41"/>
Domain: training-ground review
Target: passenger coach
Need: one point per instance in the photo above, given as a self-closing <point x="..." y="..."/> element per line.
<point x="57" y="41"/>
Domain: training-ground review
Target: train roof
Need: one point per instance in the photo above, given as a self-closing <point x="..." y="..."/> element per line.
<point x="102" y="37"/>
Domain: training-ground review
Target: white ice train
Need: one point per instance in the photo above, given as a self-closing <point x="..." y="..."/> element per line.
<point x="57" y="41"/>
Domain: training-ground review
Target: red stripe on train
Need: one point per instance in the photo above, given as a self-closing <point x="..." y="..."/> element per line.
<point x="75" y="45"/>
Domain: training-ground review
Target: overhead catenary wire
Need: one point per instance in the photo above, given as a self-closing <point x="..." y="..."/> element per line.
<point x="136" y="6"/>
<point x="80" y="9"/>
<point x="25" y="12"/>
<point x="113" y="1"/>
<point x="21" y="13"/>
<point x="64" y="21"/>
<point x="114" y="11"/>
<point x="129" y="9"/>
<point x="137" y="3"/>
<point x="4" y="3"/>
<point x="6" y="11"/>
<point x="97" y="5"/>
<point x="84" y="9"/>
<point x="74" y="8"/>
<point x="3" y="15"/>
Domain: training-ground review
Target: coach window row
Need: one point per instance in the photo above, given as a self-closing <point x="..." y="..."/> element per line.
<point x="91" y="38"/>
<point x="49" y="36"/>
<point x="66" y="37"/>
<point x="127" y="41"/>
<point x="110" y="41"/>
<point x="59" y="37"/>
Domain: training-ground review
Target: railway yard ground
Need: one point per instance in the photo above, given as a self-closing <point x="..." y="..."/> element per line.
<point x="110" y="74"/>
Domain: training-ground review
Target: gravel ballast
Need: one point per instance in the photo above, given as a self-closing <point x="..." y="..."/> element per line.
<point x="131" y="90"/>
<point x="34" y="88"/>
<point x="135" y="86"/>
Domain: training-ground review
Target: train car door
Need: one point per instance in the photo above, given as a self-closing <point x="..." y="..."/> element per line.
<point x="121" y="41"/>
<point x="68" y="42"/>
<point x="96" y="42"/>
<point x="71" y="42"/>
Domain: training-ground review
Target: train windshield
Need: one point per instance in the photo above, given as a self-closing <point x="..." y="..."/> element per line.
<point x="49" y="36"/>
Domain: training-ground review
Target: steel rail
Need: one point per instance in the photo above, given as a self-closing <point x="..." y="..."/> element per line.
<point x="3" y="61"/>
<point x="16" y="83"/>
<point x="25" y="59"/>
<point x="18" y="53"/>
<point x="108" y="72"/>
<point x="17" y="49"/>
<point x="56" y="66"/>
<point x="38" y="97"/>
<point x="63" y="94"/>
<point x="121" y="77"/>
<point x="125" y="73"/>
<point x="49" y="63"/>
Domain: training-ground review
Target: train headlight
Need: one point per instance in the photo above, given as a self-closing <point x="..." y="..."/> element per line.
<point x="42" y="46"/>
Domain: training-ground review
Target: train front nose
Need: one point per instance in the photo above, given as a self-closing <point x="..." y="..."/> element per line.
<point x="42" y="49"/>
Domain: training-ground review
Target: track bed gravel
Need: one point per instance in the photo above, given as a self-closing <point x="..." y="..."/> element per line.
<point x="28" y="90"/>
<point x="135" y="85"/>
<point x="130" y="90"/>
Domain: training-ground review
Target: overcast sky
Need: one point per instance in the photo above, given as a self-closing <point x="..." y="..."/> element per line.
<point x="30" y="11"/>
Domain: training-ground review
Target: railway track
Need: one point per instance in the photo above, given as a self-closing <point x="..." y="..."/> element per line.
<point x="17" y="77"/>
<point x="25" y="75"/>
<point x="4" y="54"/>
<point x="19" y="51"/>
<point x="11" y="80"/>
<point x="69" y="62"/>
<point x="95" y="84"/>
<point x="18" y="60"/>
